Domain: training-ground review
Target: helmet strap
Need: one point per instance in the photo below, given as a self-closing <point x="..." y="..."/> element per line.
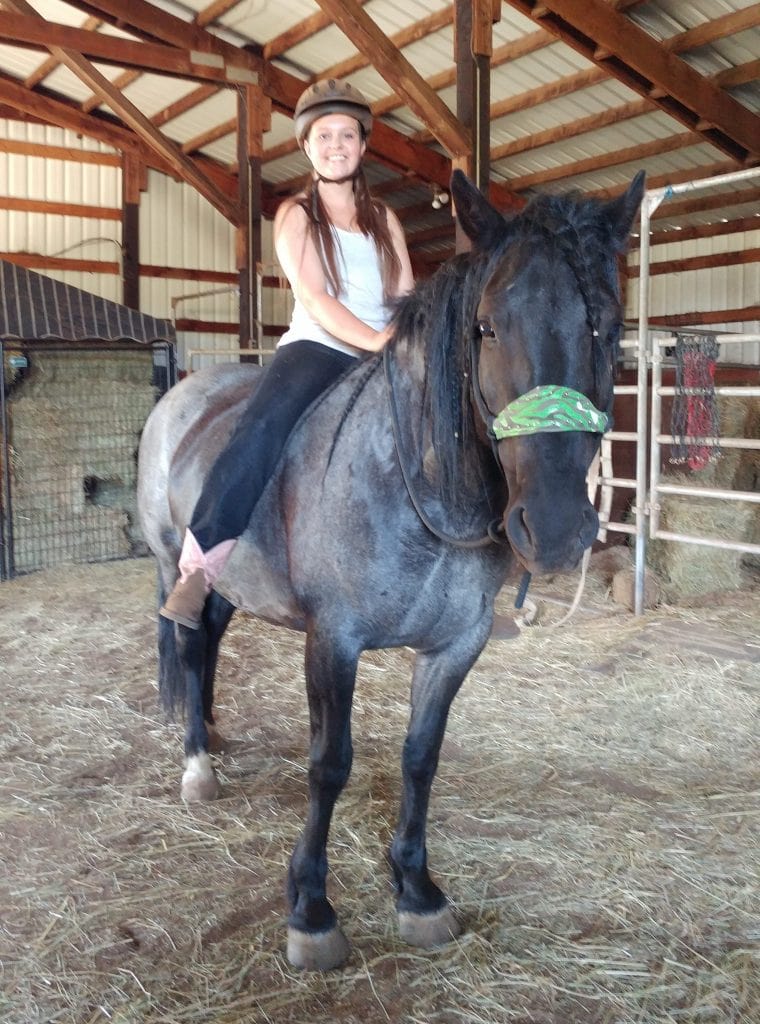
<point x="337" y="181"/>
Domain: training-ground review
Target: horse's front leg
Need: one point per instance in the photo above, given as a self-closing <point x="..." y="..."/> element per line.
<point x="315" y="940"/>
<point x="425" y="916"/>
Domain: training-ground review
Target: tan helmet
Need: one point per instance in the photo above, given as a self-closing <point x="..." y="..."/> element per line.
<point x="330" y="96"/>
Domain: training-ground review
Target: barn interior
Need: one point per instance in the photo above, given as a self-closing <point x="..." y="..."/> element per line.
<point x="596" y="812"/>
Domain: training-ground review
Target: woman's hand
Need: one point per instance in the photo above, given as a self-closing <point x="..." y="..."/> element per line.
<point x="381" y="339"/>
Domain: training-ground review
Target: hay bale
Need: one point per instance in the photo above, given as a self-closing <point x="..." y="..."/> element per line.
<point x="94" y="535"/>
<point x="691" y="570"/>
<point x="76" y="423"/>
<point x="624" y="588"/>
<point x="610" y="560"/>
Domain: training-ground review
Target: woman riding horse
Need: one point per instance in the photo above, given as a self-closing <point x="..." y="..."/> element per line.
<point x="345" y="257"/>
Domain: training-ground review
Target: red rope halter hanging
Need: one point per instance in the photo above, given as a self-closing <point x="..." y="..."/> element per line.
<point x="695" y="414"/>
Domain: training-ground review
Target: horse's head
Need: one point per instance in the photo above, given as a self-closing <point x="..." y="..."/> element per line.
<point x="548" y="323"/>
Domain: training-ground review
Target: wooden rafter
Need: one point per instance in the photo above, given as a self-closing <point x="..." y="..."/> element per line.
<point x="134" y="119"/>
<point x="399" y="74"/>
<point x="33" y="31"/>
<point x="396" y="150"/>
<point x="159" y="35"/>
<point x="205" y="17"/>
<point x="48" y="66"/>
<point x="612" y="40"/>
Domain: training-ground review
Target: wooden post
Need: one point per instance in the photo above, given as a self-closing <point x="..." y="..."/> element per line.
<point x="131" y="183"/>
<point x="472" y="55"/>
<point x="254" y="114"/>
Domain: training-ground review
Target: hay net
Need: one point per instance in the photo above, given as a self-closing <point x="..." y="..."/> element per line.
<point x="694" y="417"/>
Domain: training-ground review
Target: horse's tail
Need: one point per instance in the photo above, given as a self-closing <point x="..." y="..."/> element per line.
<point x="171" y="678"/>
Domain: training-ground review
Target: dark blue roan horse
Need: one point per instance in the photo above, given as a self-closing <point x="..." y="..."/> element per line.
<point x="433" y="430"/>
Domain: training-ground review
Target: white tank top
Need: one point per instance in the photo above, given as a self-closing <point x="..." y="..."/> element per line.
<point x="361" y="291"/>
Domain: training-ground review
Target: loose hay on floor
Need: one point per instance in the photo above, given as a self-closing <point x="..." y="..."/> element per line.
<point x="595" y="820"/>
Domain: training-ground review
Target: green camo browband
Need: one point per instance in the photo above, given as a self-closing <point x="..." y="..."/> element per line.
<point x="549" y="408"/>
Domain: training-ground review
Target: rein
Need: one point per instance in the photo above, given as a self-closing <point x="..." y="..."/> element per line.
<point x="492" y="535"/>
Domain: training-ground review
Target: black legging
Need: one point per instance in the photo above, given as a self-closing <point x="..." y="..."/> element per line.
<point x="298" y="374"/>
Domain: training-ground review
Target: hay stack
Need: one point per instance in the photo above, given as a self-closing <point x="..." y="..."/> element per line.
<point x="76" y="422"/>
<point x="691" y="570"/>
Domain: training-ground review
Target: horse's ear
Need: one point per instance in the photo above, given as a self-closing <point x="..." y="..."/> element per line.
<point x="481" y="222"/>
<point x="621" y="212"/>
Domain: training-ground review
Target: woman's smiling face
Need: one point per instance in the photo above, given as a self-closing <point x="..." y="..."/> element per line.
<point x="335" y="145"/>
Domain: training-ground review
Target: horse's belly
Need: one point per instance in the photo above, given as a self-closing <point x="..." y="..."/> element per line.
<point x="258" y="584"/>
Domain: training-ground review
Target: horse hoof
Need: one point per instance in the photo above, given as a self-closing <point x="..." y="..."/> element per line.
<point x="317" y="951"/>
<point x="428" y="930"/>
<point x="199" y="783"/>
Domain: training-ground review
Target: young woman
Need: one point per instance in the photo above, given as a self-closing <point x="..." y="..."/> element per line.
<point x="345" y="257"/>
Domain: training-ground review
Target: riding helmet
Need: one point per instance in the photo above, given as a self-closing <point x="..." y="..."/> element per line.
<point x="330" y="96"/>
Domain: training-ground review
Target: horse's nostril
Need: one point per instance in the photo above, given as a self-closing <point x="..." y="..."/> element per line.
<point x="518" y="529"/>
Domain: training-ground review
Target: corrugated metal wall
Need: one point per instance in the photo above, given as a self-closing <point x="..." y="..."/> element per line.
<point x="178" y="228"/>
<point x="717" y="288"/>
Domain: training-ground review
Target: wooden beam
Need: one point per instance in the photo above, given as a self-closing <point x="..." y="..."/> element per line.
<point x="45" y="206"/>
<point x="131" y="179"/>
<point x="501" y="55"/>
<point x="214" y="11"/>
<point x="80" y="156"/>
<point x="121" y="82"/>
<point x="670" y="236"/>
<point x="205" y="17"/>
<point x="298" y="33"/>
<point x="182" y="105"/>
<point x="33" y="31"/>
<point x="632" y="154"/>
<point x="705" y="262"/>
<point x="399" y="74"/>
<point x="153" y="23"/>
<point x="65" y="114"/>
<point x="41" y="106"/>
<point x="741" y="75"/>
<point x="745" y="315"/>
<point x="282" y="88"/>
<point x="411" y="34"/>
<point x="649" y="68"/>
<point x="47" y="67"/>
<point x="718" y="28"/>
<point x="254" y="116"/>
<point x="704" y="203"/>
<point x="571" y="129"/>
<point x="212" y="135"/>
<point x="136" y="120"/>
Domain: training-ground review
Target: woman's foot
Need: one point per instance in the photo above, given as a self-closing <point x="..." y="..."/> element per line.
<point x="187" y="600"/>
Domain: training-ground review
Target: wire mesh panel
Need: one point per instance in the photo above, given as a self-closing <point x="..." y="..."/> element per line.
<point x="73" y="419"/>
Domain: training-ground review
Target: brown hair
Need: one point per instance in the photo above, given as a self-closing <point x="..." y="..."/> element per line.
<point x="372" y="220"/>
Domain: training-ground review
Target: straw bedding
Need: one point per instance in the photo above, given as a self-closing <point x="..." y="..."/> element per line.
<point x="595" y="821"/>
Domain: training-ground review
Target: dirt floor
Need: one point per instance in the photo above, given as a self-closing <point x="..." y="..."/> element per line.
<point x="595" y="822"/>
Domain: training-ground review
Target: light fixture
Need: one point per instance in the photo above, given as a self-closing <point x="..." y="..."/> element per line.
<point x="440" y="197"/>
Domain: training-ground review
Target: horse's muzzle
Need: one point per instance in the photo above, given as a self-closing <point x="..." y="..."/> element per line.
<point x="550" y="540"/>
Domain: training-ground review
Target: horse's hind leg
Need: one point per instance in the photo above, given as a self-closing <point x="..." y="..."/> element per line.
<point x="315" y="940"/>
<point x="425" y="916"/>
<point x="198" y="652"/>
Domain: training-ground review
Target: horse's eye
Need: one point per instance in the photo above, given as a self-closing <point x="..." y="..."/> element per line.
<point x="486" y="328"/>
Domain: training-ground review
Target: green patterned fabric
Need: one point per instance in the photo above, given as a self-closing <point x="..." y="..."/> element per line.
<point x="549" y="408"/>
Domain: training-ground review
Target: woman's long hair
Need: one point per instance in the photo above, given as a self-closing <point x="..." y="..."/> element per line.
<point x="372" y="220"/>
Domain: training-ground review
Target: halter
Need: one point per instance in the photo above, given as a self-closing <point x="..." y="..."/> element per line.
<point x="552" y="409"/>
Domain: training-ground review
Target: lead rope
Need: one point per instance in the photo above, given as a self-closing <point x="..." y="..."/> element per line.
<point x="521" y="621"/>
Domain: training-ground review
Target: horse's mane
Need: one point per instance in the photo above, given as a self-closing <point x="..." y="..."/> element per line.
<point x="439" y="317"/>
